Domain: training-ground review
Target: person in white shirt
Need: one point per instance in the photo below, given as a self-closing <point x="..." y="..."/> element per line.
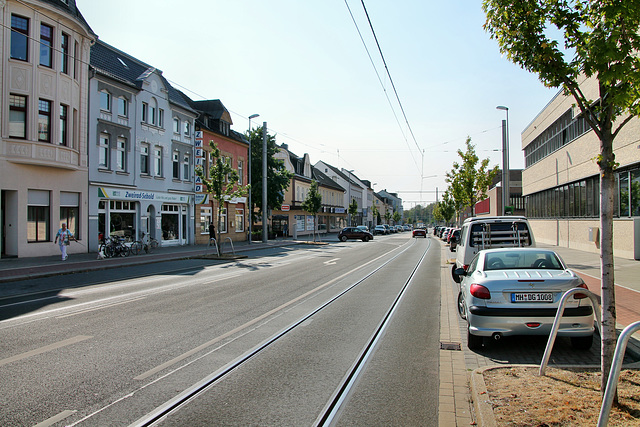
<point x="62" y="239"/>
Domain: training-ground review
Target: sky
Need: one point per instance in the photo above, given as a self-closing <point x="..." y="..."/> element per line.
<point x="312" y="70"/>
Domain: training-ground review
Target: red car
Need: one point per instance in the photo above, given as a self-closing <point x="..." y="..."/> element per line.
<point x="419" y="232"/>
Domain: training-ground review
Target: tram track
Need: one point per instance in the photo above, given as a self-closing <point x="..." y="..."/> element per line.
<point x="331" y="410"/>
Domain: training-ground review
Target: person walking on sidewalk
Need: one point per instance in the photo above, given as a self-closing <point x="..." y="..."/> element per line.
<point x="212" y="233"/>
<point x="62" y="239"/>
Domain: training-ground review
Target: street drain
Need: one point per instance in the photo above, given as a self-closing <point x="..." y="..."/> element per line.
<point x="455" y="346"/>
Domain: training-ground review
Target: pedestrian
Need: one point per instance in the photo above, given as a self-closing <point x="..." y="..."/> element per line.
<point x="62" y="239"/>
<point x="212" y="233"/>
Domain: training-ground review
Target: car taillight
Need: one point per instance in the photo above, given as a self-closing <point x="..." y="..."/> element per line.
<point x="579" y="295"/>
<point x="479" y="291"/>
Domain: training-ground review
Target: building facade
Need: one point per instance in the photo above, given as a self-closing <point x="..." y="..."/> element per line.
<point x="141" y="152"/>
<point x="43" y="145"/>
<point x="561" y="179"/>
<point x="355" y="190"/>
<point x="214" y="124"/>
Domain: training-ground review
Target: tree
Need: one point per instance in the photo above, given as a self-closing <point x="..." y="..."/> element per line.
<point x="468" y="183"/>
<point x="602" y="39"/>
<point x="447" y="207"/>
<point x="278" y="177"/>
<point x="312" y="204"/>
<point x="376" y="215"/>
<point x="222" y="183"/>
<point x="397" y="217"/>
<point x="353" y="209"/>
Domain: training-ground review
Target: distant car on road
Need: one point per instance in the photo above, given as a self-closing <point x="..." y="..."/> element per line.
<point x="363" y="227"/>
<point x="379" y="229"/>
<point x="354" y="233"/>
<point x="419" y="232"/>
<point x="516" y="291"/>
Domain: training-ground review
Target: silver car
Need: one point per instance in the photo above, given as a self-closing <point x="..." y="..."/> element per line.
<point x="516" y="291"/>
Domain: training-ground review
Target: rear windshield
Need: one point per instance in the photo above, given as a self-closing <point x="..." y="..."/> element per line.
<point x="515" y="259"/>
<point x="500" y="234"/>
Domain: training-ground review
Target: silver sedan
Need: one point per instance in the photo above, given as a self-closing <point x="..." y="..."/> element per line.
<point x="516" y="291"/>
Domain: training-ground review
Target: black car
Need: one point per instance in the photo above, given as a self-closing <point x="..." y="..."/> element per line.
<point x="354" y="233"/>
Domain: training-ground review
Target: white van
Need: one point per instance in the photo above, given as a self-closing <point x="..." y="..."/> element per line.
<point x="489" y="232"/>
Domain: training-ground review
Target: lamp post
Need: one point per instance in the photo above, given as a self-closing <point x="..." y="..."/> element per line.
<point x="505" y="159"/>
<point x="264" y="184"/>
<point x="349" y="200"/>
<point x="253" y="116"/>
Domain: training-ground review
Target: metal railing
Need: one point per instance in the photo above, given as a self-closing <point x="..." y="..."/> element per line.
<point x="556" y="322"/>
<point x="232" y="248"/>
<point x="614" y="373"/>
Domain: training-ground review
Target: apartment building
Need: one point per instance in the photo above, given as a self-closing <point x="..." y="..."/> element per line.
<point x="43" y="144"/>
<point x="141" y="152"/>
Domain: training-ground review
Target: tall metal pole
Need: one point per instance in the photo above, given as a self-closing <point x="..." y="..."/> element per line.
<point x="505" y="159"/>
<point x="250" y="210"/>
<point x="264" y="183"/>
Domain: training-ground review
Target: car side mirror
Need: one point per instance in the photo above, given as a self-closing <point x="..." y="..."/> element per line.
<point x="460" y="272"/>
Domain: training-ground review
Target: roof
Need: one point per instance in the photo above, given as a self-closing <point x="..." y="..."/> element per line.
<point x="72" y="10"/>
<point x="118" y="65"/>
<point x="324" y="180"/>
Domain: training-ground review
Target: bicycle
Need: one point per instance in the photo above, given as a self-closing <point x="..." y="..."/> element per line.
<point x="149" y="243"/>
<point x="112" y="247"/>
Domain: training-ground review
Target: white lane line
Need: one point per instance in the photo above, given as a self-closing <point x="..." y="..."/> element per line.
<point x="99" y="308"/>
<point x="51" y="421"/>
<point x="331" y="261"/>
<point x="45" y="349"/>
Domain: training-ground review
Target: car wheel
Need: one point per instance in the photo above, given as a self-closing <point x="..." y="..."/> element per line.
<point x="462" y="308"/>
<point x="455" y="277"/>
<point x="366" y="239"/>
<point x="474" y="342"/>
<point x="343" y="238"/>
<point x="582" y="343"/>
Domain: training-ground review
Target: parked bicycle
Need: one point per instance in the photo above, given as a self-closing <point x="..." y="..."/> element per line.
<point x="112" y="247"/>
<point x="148" y="243"/>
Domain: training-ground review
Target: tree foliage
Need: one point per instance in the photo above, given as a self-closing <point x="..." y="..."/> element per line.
<point x="278" y="177"/>
<point x="595" y="39"/>
<point x="468" y="180"/>
<point x="222" y="184"/>
<point x="312" y="204"/>
<point x="353" y="209"/>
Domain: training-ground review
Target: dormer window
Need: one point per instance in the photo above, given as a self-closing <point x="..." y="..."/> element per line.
<point x="224" y="128"/>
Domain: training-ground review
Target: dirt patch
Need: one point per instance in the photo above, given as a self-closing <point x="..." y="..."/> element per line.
<point x="563" y="397"/>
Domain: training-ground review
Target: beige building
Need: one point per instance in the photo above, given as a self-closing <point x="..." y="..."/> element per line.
<point x="43" y="127"/>
<point x="561" y="179"/>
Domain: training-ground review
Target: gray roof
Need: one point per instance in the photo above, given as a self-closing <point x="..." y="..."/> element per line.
<point x="72" y="10"/>
<point x="118" y="65"/>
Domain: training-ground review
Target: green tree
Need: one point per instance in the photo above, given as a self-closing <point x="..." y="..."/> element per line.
<point x="353" y="209"/>
<point x="376" y="215"/>
<point x="397" y="217"/>
<point x="447" y="207"/>
<point x="278" y="177"/>
<point x="221" y="185"/>
<point x="312" y="204"/>
<point x="468" y="181"/>
<point x="598" y="40"/>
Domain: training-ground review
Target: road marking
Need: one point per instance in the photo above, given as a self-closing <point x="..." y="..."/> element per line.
<point x="331" y="261"/>
<point x="99" y="308"/>
<point x="51" y="421"/>
<point x="45" y="349"/>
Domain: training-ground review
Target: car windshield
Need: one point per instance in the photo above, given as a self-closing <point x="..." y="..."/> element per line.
<point x="518" y="259"/>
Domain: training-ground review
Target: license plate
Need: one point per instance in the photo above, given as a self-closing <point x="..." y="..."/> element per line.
<point x="532" y="297"/>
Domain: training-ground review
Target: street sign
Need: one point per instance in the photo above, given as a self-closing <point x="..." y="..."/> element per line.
<point x="285" y="208"/>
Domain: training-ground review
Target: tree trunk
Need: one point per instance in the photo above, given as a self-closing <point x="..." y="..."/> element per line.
<point x="607" y="190"/>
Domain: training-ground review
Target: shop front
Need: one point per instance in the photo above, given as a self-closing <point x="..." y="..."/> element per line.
<point x="127" y="214"/>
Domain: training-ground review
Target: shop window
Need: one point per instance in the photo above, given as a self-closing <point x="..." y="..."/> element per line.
<point x="170" y="222"/>
<point x="38" y="216"/>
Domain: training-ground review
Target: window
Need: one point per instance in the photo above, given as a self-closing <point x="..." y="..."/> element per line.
<point x="123" y="107"/>
<point x="144" y="159"/>
<point x="205" y="219"/>
<point x="103" y="151"/>
<point x="64" y="53"/>
<point x="186" y="175"/>
<point x="176" y="165"/>
<point x="145" y="112"/>
<point x="64" y="114"/>
<point x="75" y="60"/>
<point x="240" y="172"/>
<point x="46" y="45"/>
<point x="44" y="120"/>
<point x="239" y="220"/>
<point x="38" y="216"/>
<point x="19" y="38"/>
<point x="157" y="160"/>
<point x="176" y="125"/>
<point x="187" y="128"/>
<point x="70" y="212"/>
<point x="105" y="101"/>
<point x="17" y="116"/>
<point x="223" y="221"/>
<point x="152" y="113"/>
<point x="161" y="117"/>
<point x="121" y="154"/>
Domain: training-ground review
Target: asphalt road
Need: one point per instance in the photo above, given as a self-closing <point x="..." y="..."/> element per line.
<point x="106" y="348"/>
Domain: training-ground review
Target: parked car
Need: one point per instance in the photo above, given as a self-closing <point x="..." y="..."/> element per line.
<point x="479" y="233"/>
<point x="379" y="229"/>
<point x="516" y="291"/>
<point x="354" y="233"/>
<point x="417" y="232"/>
<point x="407" y="227"/>
<point x="363" y="227"/>
<point x="387" y="228"/>
<point x="454" y="238"/>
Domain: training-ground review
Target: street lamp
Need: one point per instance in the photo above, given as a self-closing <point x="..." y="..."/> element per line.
<point x="505" y="159"/>
<point x="253" y="116"/>
<point x="349" y="200"/>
